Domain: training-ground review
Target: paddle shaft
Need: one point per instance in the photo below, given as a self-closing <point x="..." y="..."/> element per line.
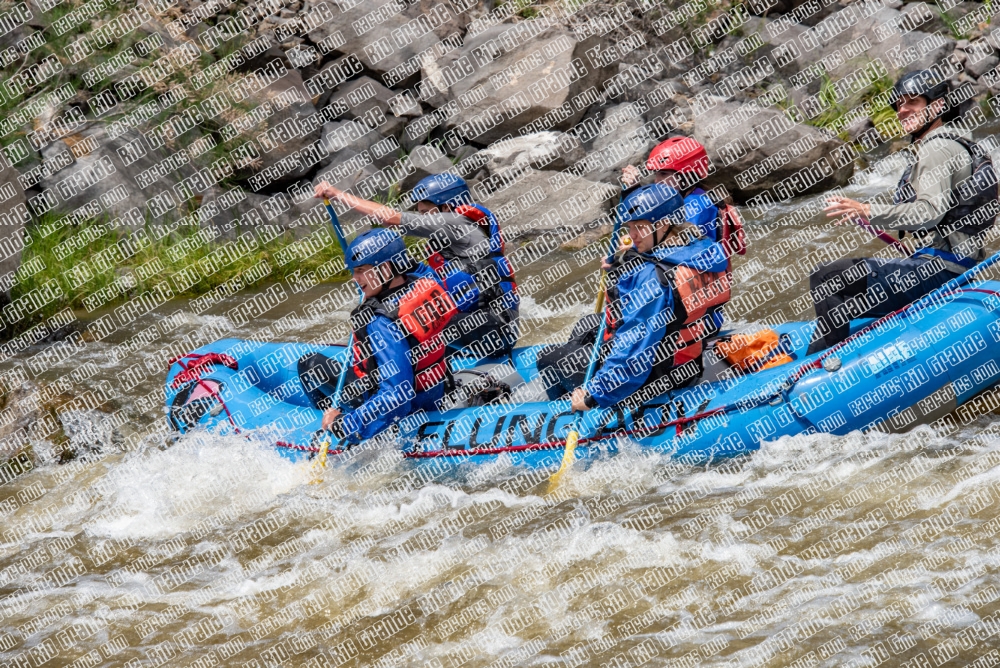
<point x="339" y="233"/>
<point x="883" y="236"/>
<point x="959" y="280"/>
<point x="341" y="378"/>
<point x="601" y="292"/>
<point x="574" y="434"/>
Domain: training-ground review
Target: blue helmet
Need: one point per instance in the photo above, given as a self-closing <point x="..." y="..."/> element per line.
<point x="653" y="202"/>
<point x="377" y="247"/>
<point x="441" y="189"/>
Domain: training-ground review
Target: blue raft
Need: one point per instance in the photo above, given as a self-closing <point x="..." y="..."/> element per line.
<point x="913" y="368"/>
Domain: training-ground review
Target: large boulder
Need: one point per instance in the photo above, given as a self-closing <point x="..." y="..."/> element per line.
<point x="980" y="64"/>
<point x="235" y="212"/>
<point x="285" y="156"/>
<point x="111" y="175"/>
<point x="885" y="43"/>
<point x="349" y="145"/>
<point x="352" y="171"/>
<point x="782" y="45"/>
<point x="775" y="7"/>
<point x="543" y="201"/>
<point x="360" y="96"/>
<point x="345" y="168"/>
<point x="901" y="49"/>
<point x="623" y="140"/>
<point x="387" y="37"/>
<point x="423" y="161"/>
<point x="541" y="150"/>
<point x="492" y="91"/>
<point x="755" y="152"/>
<point x="338" y="136"/>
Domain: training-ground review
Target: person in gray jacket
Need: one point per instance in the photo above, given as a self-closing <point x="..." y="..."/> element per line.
<point x="945" y="199"/>
<point x="467" y="254"/>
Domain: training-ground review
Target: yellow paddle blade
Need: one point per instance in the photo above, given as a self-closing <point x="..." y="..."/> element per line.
<point x="567" y="460"/>
<point x="320" y="462"/>
<point x="602" y="290"/>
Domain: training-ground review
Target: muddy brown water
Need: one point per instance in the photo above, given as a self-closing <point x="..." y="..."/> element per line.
<point x="814" y="551"/>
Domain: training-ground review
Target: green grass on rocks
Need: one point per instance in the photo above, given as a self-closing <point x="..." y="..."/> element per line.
<point x="92" y="265"/>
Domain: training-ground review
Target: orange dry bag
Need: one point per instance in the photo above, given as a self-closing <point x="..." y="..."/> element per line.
<point x="752" y="352"/>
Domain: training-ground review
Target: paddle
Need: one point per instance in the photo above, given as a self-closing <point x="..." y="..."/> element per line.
<point x="957" y="282"/>
<point x="574" y="433"/>
<point x="335" y="401"/>
<point x="341" y="239"/>
<point x="883" y="236"/>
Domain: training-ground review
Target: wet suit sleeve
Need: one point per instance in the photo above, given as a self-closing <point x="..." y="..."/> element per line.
<point x="396" y="386"/>
<point x="458" y="230"/>
<point x="941" y="164"/>
<point x="633" y="349"/>
<point x="421" y="225"/>
<point x="458" y="234"/>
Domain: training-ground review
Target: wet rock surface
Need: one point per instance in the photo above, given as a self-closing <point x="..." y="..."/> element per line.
<point x="371" y="96"/>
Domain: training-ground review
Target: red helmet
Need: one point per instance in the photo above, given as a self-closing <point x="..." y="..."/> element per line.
<point x="679" y="154"/>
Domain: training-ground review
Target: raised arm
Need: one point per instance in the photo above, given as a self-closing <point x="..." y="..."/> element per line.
<point x="386" y="214"/>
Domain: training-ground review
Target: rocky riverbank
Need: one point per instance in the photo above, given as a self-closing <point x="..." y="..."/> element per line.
<point x="175" y="119"/>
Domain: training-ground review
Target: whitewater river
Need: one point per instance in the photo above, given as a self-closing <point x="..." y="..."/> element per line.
<point x="817" y="550"/>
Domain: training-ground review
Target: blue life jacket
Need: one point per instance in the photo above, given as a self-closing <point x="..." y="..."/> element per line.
<point x="695" y="284"/>
<point x="701" y="211"/>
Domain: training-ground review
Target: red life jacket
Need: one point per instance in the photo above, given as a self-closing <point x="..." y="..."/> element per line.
<point x="484" y="219"/>
<point x="695" y="295"/>
<point x="731" y="231"/>
<point x="421" y="313"/>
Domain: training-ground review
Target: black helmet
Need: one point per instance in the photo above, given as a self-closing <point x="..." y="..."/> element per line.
<point x="920" y="82"/>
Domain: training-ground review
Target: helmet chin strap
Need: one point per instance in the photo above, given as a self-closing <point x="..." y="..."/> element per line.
<point x="925" y="128"/>
<point x="386" y="276"/>
<point x="659" y="240"/>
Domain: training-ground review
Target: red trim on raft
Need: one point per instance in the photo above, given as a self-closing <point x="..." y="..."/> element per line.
<point x="199" y="365"/>
<point x="304" y="448"/>
<point x="216" y="396"/>
<point x="490" y="451"/>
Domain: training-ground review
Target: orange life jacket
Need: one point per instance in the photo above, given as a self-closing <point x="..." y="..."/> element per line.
<point x="422" y="313"/>
<point x="763" y="349"/>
